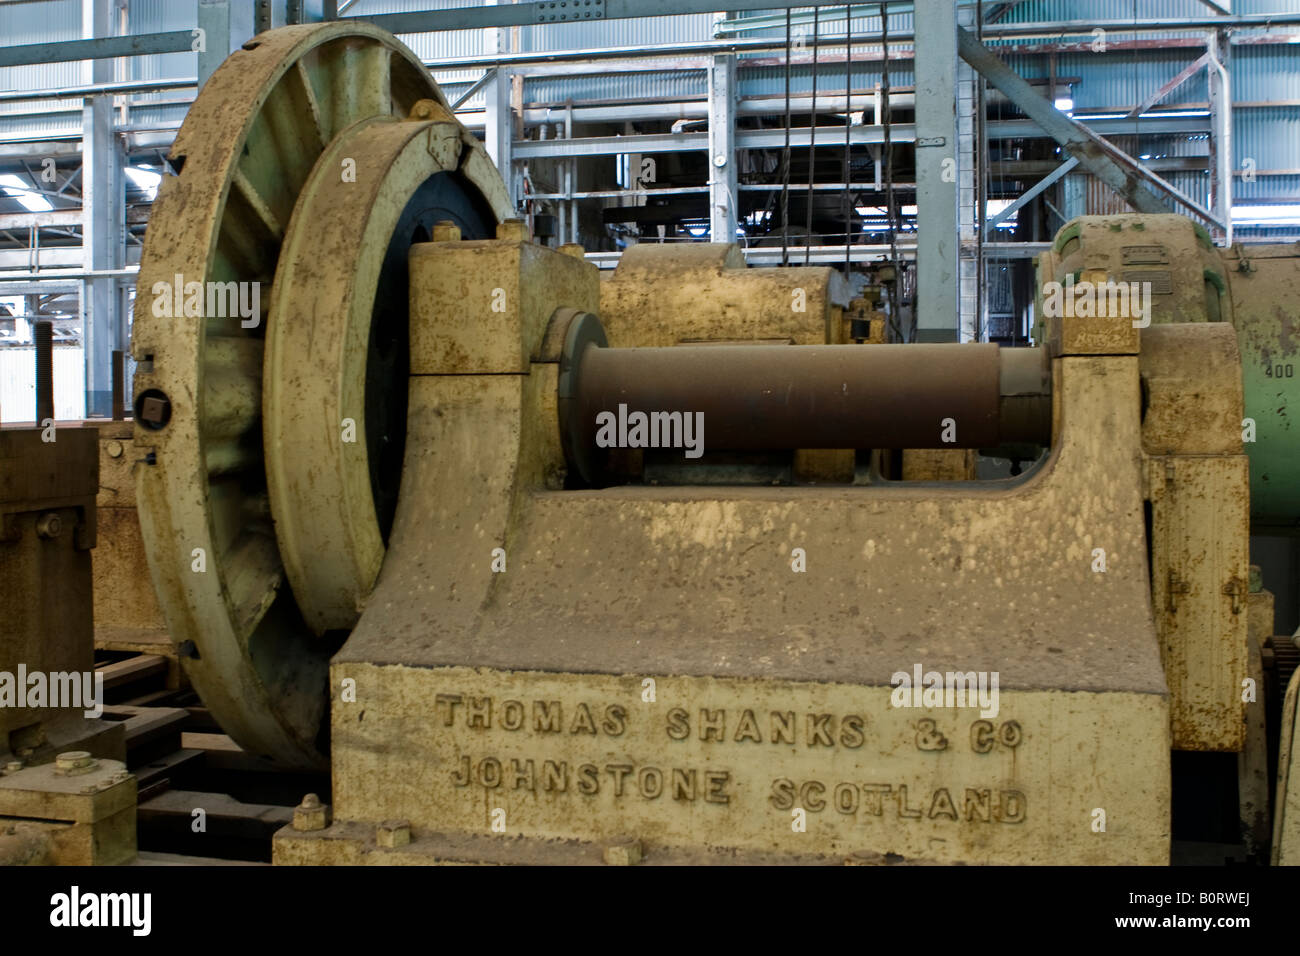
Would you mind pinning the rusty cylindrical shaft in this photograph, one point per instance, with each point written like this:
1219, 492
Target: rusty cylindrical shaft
767, 397
43, 334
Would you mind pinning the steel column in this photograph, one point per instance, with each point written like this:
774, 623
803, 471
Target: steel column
722, 149
498, 129
1221, 153
214, 21
103, 216
936, 172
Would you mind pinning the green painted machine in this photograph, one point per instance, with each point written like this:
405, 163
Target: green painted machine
1256, 288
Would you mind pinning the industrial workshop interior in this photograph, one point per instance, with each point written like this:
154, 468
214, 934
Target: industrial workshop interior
628, 433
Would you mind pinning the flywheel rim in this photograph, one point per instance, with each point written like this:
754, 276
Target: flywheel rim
243, 154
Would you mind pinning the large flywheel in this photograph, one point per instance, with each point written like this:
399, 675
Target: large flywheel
271, 331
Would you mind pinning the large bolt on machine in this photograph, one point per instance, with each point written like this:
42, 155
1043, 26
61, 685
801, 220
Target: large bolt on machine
460, 550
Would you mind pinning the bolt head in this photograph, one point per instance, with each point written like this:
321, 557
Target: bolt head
624, 851
446, 231
114, 449
155, 411
311, 814
49, 525
515, 230
393, 833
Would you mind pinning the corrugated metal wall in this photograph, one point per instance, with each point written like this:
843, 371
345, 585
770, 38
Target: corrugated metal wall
18, 384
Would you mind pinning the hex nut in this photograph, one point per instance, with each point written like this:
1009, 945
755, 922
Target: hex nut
446, 231
49, 525
393, 833
625, 851
311, 814
515, 230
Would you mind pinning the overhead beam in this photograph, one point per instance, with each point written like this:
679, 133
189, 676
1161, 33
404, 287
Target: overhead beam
98, 48
799, 137
64, 218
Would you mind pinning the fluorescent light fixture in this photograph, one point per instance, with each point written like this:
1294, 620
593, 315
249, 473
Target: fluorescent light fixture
1064, 104
30, 200
145, 179
1144, 157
